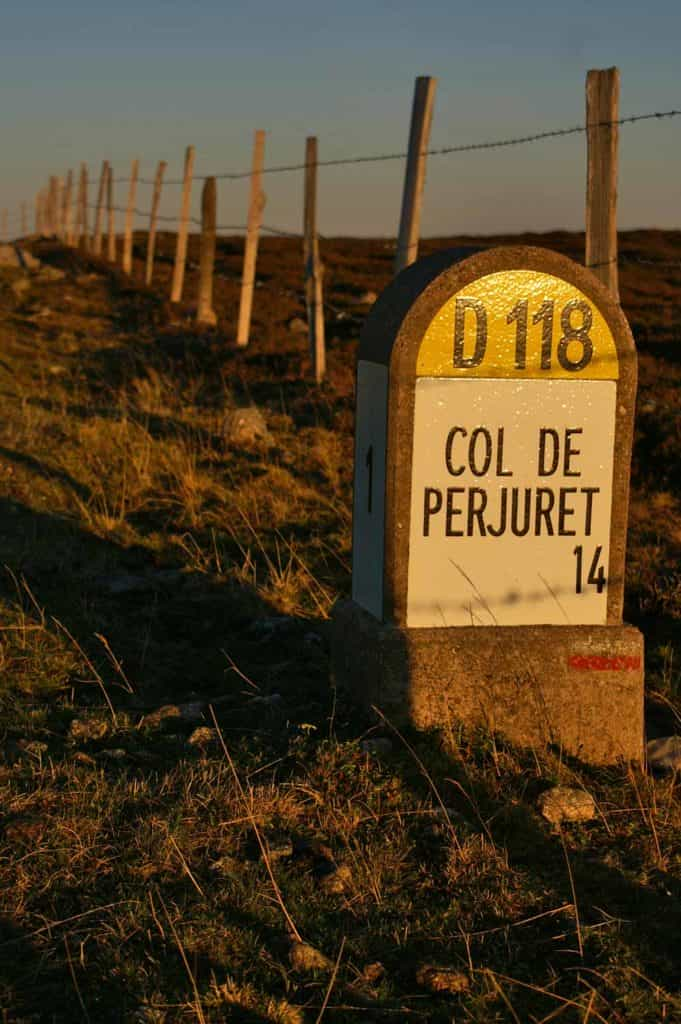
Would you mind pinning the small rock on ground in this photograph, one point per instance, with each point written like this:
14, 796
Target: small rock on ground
566, 803
297, 325
306, 958
442, 979
20, 286
365, 299
88, 729
202, 736
47, 273
191, 713
154, 719
9, 256
664, 753
337, 881
245, 426
373, 973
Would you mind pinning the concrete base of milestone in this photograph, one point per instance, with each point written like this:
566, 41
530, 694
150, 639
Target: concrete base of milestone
576, 687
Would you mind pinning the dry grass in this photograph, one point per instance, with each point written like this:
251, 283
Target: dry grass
144, 877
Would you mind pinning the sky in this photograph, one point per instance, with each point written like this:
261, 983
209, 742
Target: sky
88, 81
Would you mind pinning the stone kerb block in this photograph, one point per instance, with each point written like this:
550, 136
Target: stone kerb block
495, 402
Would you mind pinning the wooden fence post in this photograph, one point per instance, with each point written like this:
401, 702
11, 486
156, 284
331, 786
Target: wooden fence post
38, 213
99, 212
53, 206
111, 219
59, 209
67, 222
151, 236
313, 267
44, 197
415, 173
129, 213
602, 103
205, 314
256, 205
183, 227
81, 234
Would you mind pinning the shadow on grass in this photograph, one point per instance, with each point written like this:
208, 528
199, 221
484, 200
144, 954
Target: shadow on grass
176, 631
48, 978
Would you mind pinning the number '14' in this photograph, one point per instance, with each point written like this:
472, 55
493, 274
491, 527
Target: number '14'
596, 575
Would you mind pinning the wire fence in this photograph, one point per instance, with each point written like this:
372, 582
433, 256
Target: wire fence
468, 147
55, 206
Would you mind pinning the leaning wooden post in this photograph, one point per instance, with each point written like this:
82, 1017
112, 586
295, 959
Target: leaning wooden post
205, 313
151, 235
111, 226
183, 228
99, 212
67, 221
602, 103
415, 173
256, 205
129, 213
313, 267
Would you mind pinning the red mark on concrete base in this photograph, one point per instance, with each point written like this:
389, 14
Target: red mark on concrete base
605, 663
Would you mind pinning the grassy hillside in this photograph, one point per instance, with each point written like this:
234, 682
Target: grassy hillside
185, 803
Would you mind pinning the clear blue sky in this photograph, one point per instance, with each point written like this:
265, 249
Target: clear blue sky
84, 81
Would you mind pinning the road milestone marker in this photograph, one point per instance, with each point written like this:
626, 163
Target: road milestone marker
495, 404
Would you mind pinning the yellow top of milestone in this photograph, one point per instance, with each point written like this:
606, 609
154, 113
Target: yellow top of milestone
519, 324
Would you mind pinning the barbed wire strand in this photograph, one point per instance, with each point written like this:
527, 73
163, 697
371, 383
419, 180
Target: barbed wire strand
467, 147
375, 158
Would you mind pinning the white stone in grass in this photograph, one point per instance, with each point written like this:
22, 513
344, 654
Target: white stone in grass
304, 957
202, 736
245, 426
365, 299
297, 325
664, 753
566, 803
